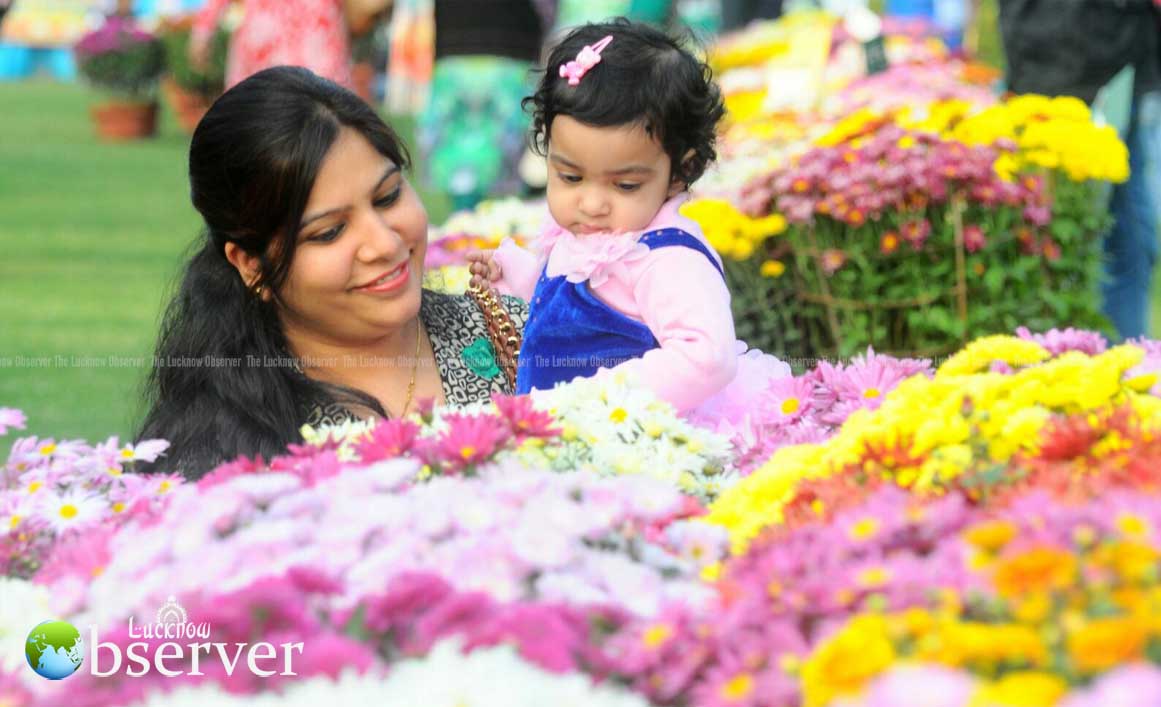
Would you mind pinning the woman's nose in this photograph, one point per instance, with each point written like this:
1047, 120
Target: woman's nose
380, 241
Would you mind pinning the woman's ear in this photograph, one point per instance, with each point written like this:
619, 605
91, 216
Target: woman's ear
248, 267
677, 183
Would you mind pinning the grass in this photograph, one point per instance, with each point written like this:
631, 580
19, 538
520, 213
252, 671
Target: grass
92, 237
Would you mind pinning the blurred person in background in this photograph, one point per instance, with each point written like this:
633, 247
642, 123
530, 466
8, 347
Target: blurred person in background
472, 129
1074, 48
5, 5
739, 13
308, 33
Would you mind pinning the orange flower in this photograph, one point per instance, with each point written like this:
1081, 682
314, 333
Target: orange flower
889, 243
1103, 643
1037, 570
990, 535
832, 260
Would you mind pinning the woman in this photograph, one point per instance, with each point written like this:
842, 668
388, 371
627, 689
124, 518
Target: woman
303, 302
310, 33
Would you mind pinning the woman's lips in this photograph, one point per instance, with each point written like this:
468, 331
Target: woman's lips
389, 281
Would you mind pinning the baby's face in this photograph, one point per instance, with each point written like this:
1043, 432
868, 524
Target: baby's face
605, 179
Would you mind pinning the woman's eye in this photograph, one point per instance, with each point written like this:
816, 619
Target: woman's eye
570, 178
328, 235
628, 187
385, 201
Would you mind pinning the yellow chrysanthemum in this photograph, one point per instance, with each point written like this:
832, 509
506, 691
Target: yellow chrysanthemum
844, 663
732, 233
1104, 643
928, 431
1021, 689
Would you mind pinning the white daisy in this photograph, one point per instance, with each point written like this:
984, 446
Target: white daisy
72, 509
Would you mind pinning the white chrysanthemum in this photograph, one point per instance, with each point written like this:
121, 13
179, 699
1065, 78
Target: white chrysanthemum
73, 509
350, 689
347, 434
494, 677
24, 605
616, 428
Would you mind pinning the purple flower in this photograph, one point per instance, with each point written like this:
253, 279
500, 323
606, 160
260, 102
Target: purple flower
116, 34
1037, 215
1057, 341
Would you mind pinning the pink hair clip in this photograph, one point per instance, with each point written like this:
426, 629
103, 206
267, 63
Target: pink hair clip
586, 59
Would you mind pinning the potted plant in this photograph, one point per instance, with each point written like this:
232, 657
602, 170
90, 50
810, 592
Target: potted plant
190, 90
124, 62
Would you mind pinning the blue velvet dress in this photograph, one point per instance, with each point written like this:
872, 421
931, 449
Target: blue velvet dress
571, 333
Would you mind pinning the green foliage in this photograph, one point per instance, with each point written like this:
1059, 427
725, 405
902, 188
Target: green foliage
211, 81
905, 300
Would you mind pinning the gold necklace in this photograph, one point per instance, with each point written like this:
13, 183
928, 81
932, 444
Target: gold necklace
414, 368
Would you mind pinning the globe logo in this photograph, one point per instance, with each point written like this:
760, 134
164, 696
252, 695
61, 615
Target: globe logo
55, 649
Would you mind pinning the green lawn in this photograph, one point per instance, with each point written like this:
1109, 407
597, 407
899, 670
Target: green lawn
92, 236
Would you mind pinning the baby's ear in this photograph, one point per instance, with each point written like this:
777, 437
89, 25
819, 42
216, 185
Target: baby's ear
677, 182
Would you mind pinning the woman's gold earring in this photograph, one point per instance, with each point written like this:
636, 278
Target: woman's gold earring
258, 290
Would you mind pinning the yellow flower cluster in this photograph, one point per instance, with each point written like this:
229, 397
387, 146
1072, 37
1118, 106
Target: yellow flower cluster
929, 430
1053, 133
732, 233
1053, 623
736, 54
851, 127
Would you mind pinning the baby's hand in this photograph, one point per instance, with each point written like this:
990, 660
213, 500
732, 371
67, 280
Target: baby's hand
484, 269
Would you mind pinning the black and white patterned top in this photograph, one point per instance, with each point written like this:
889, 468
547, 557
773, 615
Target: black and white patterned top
459, 337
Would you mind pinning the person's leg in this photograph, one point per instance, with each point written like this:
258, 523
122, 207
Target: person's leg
1131, 245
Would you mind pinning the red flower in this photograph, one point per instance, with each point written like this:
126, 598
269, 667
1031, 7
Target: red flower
1069, 437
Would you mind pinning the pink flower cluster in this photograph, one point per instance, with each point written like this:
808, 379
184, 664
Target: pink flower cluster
417, 610
808, 408
116, 34
898, 171
466, 440
907, 85
793, 587
507, 555
54, 491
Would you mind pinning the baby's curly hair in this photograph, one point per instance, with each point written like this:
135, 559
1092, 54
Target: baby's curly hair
644, 76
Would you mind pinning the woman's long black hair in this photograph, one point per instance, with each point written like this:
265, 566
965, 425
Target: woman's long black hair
222, 384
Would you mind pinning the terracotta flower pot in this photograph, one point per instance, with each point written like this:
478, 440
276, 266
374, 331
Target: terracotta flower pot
124, 120
189, 106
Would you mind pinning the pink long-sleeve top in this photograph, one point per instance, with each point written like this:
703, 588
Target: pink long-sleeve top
674, 291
